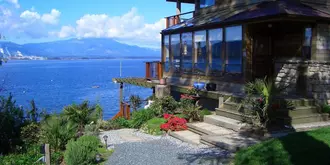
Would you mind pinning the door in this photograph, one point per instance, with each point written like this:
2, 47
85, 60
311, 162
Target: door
262, 56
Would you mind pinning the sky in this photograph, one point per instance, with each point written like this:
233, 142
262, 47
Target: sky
135, 22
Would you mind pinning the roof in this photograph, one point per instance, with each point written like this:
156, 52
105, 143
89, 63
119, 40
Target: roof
182, 1
259, 10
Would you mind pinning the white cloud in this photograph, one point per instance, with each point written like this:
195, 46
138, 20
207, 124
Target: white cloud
48, 18
129, 28
52, 17
14, 2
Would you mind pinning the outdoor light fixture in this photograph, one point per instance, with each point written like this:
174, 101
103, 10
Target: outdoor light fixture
270, 25
105, 137
98, 158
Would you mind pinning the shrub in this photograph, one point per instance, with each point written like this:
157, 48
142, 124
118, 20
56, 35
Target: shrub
115, 124
326, 108
152, 126
204, 112
30, 156
57, 131
192, 112
174, 123
12, 119
135, 101
164, 105
91, 129
141, 116
82, 151
30, 134
81, 114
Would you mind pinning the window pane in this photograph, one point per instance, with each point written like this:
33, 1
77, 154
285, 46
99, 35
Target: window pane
215, 38
234, 49
200, 52
187, 52
175, 51
307, 43
167, 63
206, 3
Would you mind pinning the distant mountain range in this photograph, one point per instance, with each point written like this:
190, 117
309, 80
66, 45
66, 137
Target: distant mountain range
77, 48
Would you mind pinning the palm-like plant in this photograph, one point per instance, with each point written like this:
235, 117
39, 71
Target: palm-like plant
81, 114
57, 131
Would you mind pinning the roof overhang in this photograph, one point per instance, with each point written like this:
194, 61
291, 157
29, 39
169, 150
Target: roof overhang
182, 1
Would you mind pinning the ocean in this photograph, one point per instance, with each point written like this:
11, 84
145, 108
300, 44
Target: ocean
53, 84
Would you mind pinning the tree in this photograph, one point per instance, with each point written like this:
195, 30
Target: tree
135, 101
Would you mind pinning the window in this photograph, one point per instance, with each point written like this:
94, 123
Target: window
234, 49
175, 51
167, 62
307, 43
206, 3
200, 52
186, 52
215, 39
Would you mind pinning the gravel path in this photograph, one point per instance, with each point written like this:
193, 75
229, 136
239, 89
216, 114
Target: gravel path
135, 148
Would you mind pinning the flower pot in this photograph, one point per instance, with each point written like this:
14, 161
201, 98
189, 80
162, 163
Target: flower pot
199, 85
194, 98
211, 87
162, 81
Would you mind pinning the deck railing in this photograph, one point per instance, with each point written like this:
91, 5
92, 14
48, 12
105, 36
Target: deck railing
124, 111
176, 19
154, 70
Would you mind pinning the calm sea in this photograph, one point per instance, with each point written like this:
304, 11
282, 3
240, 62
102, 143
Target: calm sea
55, 84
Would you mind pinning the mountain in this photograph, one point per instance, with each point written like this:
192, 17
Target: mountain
77, 48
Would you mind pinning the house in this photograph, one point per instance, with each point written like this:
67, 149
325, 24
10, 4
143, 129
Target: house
232, 42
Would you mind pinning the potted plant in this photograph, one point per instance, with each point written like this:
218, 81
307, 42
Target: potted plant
192, 94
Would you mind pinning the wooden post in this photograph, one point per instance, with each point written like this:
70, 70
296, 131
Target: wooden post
178, 7
121, 97
147, 70
128, 111
47, 154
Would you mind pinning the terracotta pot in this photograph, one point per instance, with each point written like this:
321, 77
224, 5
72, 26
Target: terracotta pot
162, 81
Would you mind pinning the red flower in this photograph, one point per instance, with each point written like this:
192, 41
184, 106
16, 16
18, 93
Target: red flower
167, 116
174, 123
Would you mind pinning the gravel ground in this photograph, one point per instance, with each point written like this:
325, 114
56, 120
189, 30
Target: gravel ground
160, 150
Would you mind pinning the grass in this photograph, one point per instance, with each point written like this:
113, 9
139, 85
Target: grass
105, 154
306, 148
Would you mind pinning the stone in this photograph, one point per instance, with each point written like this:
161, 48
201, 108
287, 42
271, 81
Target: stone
162, 91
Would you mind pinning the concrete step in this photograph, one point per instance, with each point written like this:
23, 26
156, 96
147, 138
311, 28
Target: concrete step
187, 136
301, 102
232, 142
298, 111
230, 106
203, 128
231, 114
224, 122
304, 119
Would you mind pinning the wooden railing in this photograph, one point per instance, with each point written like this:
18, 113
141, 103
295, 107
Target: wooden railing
154, 70
124, 111
176, 19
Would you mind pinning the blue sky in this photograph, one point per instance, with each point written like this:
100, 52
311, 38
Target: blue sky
135, 22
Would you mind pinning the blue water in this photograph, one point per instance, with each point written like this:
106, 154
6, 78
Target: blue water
55, 84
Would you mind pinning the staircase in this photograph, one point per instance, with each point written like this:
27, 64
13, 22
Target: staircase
224, 129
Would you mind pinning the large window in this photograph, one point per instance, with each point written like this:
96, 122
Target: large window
175, 51
234, 49
215, 39
307, 43
200, 52
206, 3
167, 61
186, 52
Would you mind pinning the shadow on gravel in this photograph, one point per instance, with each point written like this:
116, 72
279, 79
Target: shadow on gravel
206, 157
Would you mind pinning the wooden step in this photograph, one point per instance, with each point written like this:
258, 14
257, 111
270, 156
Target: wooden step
230, 106
187, 136
203, 128
224, 122
232, 142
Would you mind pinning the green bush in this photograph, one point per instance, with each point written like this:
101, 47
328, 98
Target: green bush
82, 151
91, 129
192, 112
115, 124
326, 108
152, 126
204, 112
30, 134
182, 116
164, 105
57, 131
141, 116
30, 156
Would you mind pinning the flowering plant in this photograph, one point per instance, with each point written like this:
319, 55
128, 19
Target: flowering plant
174, 123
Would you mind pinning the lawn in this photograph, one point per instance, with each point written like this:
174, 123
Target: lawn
303, 148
